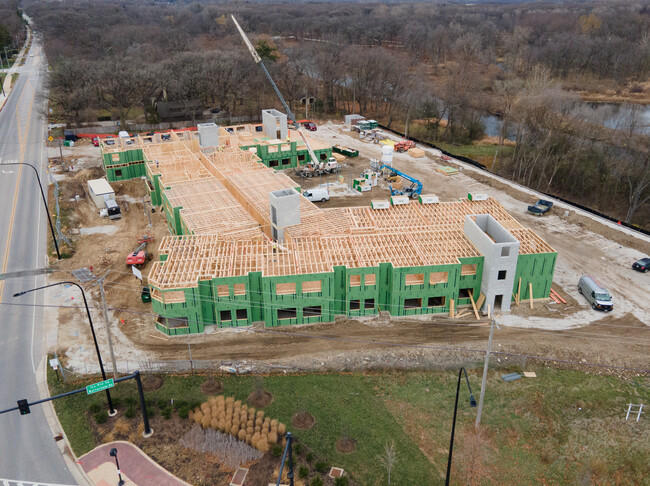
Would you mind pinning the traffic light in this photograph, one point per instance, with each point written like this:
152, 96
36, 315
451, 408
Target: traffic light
23, 406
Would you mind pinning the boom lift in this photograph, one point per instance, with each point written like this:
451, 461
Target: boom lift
413, 192
258, 60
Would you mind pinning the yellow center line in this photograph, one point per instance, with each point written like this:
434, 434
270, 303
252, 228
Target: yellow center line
23, 146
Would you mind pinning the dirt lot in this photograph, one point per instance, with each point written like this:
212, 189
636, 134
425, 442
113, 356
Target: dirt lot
570, 332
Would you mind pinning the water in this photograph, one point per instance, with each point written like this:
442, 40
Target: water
610, 115
618, 116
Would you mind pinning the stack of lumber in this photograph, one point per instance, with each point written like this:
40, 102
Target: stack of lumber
416, 152
446, 170
339, 157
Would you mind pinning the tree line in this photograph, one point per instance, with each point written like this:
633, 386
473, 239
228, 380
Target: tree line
12, 28
435, 68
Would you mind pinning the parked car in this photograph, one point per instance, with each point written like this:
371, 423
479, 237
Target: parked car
642, 265
595, 293
95, 141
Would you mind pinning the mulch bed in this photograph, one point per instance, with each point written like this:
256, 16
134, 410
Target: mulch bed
152, 382
303, 421
346, 446
211, 387
260, 398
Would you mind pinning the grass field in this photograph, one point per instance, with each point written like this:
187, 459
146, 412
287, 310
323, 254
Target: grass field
563, 427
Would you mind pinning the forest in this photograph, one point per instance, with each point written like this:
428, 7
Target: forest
433, 70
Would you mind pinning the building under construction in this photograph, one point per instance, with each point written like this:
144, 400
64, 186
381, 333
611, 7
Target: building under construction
274, 144
247, 247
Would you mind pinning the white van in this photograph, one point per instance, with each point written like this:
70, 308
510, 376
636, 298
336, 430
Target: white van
595, 293
320, 194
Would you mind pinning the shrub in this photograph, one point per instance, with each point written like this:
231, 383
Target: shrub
131, 401
303, 472
130, 412
309, 456
317, 481
342, 481
101, 417
277, 450
167, 413
94, 408
321, 467
297, 448
161, 403
183, 410
151, 412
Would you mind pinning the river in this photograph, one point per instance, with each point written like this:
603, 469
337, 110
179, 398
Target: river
610, 115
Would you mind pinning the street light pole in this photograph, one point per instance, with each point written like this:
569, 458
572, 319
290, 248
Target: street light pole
472, 403
113, 453
485, 370
47, 211
112, 410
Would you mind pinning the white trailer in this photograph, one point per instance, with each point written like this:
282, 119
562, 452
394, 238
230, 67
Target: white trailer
100, 190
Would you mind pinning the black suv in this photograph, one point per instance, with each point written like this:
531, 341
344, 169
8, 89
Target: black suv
642, 265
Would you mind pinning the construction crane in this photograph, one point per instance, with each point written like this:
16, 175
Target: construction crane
413, 192
258, 60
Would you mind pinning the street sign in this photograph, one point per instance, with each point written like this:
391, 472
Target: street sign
50, 138
102, 385
54, 363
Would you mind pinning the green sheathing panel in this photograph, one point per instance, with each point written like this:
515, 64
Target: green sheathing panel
206, 302
470, 281
274, 156
537, 269
231, 301
121, 166
414, 299
362, 299
273, 303
339, 304
385, 283
190, 310
256, 298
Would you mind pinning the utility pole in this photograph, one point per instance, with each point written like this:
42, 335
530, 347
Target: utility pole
61, 154
485, 370
108, 327
147, 213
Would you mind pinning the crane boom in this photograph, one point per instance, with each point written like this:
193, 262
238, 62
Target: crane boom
258, 60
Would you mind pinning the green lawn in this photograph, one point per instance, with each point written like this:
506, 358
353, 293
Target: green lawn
535, 430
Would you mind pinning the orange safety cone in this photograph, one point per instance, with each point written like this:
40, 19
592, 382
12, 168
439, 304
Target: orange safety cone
619, 222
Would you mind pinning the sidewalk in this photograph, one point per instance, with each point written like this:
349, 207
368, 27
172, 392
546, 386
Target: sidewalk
136, 467
13, 69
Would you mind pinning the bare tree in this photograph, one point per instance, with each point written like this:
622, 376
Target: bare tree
388, 458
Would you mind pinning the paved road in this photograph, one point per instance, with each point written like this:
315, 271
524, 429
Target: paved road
28, 452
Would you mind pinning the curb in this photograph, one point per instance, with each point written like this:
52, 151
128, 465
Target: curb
69, 457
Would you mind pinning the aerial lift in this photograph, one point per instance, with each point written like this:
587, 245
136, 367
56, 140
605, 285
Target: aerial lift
290, 114
413, 192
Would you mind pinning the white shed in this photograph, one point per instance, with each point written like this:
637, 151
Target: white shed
100, 190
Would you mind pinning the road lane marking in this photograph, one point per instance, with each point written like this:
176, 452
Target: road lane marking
17, 190
38, 240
